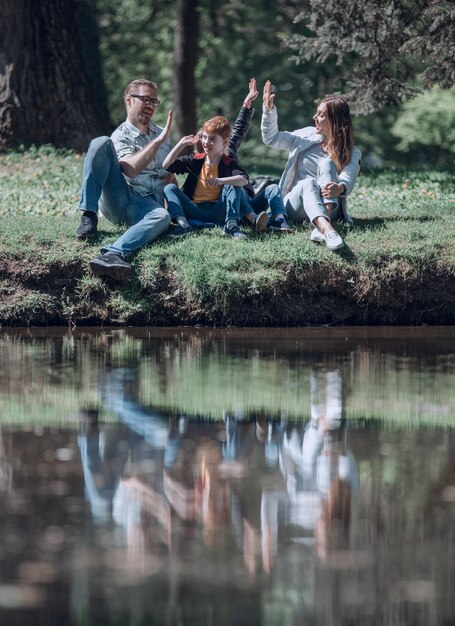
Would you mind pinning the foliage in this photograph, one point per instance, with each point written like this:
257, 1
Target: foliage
375, 46
141, 35
436, 44
227, 60
427, 124
391, 41
135, 42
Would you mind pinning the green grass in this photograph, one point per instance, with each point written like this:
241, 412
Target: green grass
40, 181
398, 265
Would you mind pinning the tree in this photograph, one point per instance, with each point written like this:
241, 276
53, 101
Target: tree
375, 45
437, 44
186, 38
45, 96
136, 41
426, 125
237, 40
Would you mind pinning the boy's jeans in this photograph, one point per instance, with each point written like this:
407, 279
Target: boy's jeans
305, 200
268, 197
226, 208
105, 187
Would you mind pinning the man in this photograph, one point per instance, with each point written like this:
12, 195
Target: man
123, 176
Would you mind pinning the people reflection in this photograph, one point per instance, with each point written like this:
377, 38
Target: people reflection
102, 462
6, 469
198, 484
158, 475
166, 467
321, 472
254, 445
112, 452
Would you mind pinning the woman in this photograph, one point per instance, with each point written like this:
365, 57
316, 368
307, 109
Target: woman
322, 166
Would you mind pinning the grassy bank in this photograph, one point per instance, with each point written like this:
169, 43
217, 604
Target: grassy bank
398, 265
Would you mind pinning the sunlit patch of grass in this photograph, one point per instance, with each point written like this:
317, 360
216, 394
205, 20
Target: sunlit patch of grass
40, 181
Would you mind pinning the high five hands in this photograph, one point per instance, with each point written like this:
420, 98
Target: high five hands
268, 97
188, 140
164, 134
252, 93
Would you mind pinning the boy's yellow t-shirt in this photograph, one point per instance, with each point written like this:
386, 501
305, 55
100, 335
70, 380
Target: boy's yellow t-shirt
205, 192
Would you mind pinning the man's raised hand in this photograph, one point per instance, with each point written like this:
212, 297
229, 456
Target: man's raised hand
164, 134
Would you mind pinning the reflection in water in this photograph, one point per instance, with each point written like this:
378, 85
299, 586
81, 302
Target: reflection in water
304, 476
321, 472
146, 513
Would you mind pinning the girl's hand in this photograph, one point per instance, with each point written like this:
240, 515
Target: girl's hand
252, 94
268, 97
214, 181
332, 190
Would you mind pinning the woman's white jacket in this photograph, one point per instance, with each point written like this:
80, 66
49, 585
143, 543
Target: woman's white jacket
295, 142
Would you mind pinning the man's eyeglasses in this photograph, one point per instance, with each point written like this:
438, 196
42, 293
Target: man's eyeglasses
146, 99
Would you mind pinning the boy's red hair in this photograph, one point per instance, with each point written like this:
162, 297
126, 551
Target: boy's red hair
218, 125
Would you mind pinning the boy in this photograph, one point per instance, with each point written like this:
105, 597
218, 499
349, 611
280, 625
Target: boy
211, 191
254, 206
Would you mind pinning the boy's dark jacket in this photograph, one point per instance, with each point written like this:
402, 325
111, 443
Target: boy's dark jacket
192, 164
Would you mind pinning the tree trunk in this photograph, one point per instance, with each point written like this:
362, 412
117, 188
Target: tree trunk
45, 95
185, 57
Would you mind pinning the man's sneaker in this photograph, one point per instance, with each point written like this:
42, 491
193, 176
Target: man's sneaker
280, 225
88, 226
180, 231
333, 240
111, 264
261, 222
235, 232
317, 236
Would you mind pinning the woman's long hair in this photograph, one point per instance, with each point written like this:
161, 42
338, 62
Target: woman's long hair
341, 142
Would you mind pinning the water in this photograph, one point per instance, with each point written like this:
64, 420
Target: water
191, 476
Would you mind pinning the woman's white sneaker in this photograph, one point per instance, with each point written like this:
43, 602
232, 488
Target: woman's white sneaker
317, 236
333, 240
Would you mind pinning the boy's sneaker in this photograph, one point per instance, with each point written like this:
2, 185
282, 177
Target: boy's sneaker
261, 222
280, 225
333, 240
111, 264
88, 226
235, 232
317, 236
180, 231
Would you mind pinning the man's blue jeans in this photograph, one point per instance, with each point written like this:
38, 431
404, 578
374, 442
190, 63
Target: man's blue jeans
104, 187
270, 197
226, 208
